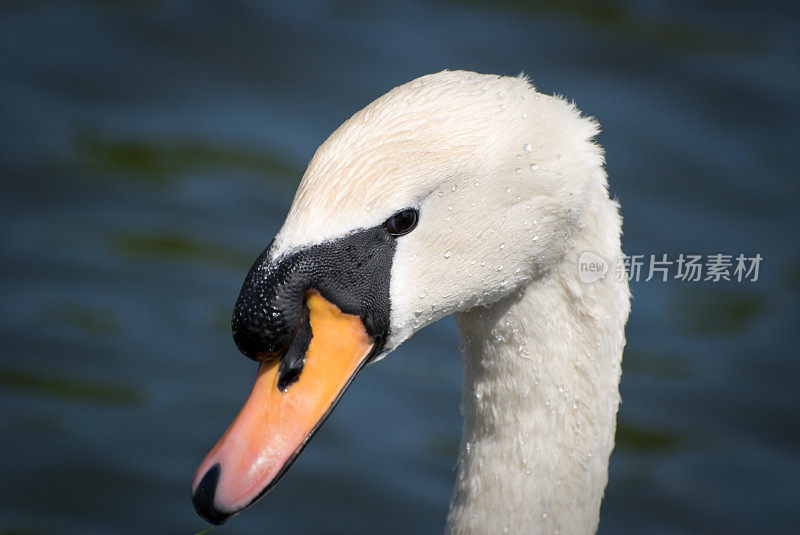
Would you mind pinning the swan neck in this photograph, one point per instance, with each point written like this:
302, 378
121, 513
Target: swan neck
540, 397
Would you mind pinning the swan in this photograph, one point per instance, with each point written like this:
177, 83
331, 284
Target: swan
456, 193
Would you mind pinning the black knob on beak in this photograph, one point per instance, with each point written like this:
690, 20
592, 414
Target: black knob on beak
269, 309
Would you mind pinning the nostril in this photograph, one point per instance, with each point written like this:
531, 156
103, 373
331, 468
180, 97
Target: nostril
203, 498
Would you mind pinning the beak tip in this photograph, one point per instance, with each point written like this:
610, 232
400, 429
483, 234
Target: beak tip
203, 498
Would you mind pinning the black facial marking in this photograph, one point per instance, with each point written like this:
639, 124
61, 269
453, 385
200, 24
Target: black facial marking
295, 357
270, 319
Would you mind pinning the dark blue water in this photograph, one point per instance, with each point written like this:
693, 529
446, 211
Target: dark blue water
149, 151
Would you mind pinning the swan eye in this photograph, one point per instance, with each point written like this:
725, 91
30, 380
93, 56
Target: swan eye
402, 222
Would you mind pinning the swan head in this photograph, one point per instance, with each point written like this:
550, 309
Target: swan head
447, 193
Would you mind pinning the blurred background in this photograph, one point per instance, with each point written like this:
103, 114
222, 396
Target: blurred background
150, 150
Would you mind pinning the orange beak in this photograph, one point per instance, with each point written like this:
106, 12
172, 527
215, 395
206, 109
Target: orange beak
274, 426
